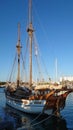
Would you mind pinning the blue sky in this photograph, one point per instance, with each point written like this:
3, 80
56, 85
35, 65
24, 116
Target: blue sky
53, 23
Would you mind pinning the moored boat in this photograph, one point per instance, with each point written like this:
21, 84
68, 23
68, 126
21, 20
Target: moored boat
24, 98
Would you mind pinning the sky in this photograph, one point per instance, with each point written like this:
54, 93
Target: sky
53, 25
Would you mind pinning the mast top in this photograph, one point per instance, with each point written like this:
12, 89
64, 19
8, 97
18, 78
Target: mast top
18, 33
30, 12
18, 46
30, 27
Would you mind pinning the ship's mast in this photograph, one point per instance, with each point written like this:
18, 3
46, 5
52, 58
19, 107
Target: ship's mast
30, 33
56, 67
18, 52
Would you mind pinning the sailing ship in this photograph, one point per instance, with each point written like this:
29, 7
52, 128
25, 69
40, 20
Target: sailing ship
42, 100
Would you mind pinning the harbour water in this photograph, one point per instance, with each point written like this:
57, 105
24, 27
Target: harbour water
34, 122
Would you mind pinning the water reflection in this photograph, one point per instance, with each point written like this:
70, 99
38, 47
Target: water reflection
20, 119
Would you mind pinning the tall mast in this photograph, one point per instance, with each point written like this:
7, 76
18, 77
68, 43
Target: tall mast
18, 52
30, 33
56, 70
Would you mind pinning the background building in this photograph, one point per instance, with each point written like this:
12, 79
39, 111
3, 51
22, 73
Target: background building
66, 78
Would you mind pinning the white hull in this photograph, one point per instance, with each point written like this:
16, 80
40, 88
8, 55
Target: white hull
32, 106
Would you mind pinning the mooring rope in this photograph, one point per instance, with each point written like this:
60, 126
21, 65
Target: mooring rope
36, 118
44, 119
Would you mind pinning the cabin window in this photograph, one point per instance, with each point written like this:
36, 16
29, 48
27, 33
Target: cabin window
37, 102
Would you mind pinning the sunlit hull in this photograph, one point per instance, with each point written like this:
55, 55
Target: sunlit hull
49, 102
29, 106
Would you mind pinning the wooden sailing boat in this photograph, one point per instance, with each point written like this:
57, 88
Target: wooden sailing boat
43, 100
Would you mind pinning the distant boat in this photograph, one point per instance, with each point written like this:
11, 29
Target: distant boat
2, 86
37, 100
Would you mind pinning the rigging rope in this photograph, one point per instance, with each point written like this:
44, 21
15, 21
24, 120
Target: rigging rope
12, 68
27, 43
37, 58
24, 69
43, 30
25, 55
